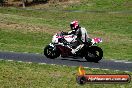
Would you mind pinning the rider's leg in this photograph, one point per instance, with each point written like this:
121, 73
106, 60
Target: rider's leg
77, 48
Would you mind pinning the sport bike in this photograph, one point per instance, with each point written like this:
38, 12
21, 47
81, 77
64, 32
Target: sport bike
62, 45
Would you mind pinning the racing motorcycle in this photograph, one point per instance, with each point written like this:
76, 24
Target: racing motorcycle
62, 45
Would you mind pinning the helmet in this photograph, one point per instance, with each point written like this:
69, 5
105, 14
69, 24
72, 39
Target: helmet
74, 25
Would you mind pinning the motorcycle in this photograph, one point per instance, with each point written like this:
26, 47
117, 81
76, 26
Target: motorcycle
62, 45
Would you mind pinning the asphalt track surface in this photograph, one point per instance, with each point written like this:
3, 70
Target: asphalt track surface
39, 58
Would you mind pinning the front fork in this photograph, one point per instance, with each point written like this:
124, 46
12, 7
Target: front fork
53, 46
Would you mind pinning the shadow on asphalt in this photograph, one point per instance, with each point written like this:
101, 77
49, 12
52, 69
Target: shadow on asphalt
77, 60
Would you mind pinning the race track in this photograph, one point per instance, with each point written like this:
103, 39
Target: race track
38, 58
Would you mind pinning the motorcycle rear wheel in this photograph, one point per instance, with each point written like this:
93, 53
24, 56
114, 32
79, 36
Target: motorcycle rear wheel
94, 54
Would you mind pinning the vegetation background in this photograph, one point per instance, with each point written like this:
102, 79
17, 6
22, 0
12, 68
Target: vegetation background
30, 29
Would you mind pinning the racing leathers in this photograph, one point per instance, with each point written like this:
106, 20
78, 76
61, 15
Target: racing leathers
82, 37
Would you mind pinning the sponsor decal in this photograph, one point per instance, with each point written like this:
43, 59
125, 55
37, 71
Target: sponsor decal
83, 78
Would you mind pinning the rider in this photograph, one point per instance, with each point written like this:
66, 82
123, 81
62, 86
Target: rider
81, 34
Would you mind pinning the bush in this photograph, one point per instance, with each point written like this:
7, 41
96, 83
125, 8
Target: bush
2, 2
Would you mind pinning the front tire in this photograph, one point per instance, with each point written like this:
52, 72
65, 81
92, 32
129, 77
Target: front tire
94, 54
50, 52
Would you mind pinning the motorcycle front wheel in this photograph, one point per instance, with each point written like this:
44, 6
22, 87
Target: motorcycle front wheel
50, 52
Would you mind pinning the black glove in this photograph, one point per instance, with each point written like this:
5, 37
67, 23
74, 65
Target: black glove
64, 33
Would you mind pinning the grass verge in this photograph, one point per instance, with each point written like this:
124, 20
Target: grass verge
87, 5
102, 5
25, 75
30, 30
11, 40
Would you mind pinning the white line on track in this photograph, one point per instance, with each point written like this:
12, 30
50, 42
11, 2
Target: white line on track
25, 52
106, 69
63, 65
95, 68
120, 61
127, 62
9, 60
53, 64
126, 71
42, 63
20, 61
37, 53
116, 70
86, 67
29, 62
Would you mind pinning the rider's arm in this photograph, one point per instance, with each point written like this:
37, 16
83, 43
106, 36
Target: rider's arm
69, 33
72, 32
65, 33
79, 35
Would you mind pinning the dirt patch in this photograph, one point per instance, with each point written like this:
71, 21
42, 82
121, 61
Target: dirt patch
24, 28
39, 3
55, 4
27, 28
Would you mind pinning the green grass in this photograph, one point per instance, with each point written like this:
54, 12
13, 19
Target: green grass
88, 5
30, 30
22, 42
115, 29
102, 5
24, 75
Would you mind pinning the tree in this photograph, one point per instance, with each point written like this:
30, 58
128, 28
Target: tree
2, 2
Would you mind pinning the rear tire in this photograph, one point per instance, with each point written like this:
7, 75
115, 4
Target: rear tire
94, 54
50, 53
